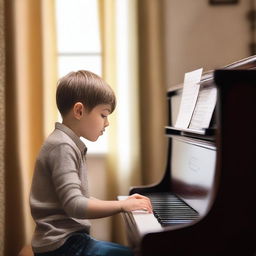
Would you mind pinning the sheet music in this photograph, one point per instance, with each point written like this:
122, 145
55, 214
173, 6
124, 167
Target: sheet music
204, 108
189, 97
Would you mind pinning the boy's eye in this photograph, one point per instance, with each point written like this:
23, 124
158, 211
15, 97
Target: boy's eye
104, 116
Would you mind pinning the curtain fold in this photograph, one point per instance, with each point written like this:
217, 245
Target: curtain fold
2, 126
152, 81
50, 68
107, 23
27, 59
108, 48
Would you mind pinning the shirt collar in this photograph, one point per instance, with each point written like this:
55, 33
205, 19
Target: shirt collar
73, 136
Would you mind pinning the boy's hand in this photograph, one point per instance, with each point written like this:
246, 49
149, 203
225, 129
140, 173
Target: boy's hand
136, 202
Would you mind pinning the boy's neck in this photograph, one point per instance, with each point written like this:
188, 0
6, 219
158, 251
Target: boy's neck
71, 124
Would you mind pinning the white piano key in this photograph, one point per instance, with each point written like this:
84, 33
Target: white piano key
146, 223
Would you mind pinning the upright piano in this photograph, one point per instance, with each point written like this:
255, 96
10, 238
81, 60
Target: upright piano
205, 203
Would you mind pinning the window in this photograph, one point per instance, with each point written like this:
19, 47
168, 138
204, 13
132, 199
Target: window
78, 45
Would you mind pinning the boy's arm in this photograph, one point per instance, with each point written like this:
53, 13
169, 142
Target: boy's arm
66, 180
68, 188
99, 208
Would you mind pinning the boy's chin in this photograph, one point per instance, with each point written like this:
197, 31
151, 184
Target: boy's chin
93, 139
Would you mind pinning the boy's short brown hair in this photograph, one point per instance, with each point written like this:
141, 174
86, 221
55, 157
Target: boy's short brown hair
85, 87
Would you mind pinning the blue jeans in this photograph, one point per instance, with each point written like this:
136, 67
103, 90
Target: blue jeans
81, 244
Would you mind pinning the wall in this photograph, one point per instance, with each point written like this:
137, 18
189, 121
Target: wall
202, 35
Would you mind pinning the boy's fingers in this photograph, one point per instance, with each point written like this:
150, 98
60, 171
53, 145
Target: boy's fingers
146, 200
140, 196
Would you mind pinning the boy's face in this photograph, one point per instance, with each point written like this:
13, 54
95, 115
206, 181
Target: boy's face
93, 123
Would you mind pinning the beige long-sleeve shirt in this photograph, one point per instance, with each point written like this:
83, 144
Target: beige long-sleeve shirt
59, 191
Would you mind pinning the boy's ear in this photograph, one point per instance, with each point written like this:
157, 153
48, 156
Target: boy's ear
78, 110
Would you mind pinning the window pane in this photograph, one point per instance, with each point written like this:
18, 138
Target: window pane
74, 63
77, 26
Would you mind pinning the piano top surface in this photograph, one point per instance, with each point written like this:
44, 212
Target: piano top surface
207, 76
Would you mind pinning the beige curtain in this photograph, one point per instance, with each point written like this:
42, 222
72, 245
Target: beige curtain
146, 159
30, 83
2, 127
108, 45
153, 103
123, 160
108, 42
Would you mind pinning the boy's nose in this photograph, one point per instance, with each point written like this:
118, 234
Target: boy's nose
106, 123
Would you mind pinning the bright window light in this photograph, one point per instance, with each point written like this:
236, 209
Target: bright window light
124, 82
74, 63
78, 45
78, 26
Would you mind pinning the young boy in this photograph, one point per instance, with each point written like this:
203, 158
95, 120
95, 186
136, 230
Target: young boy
59, 199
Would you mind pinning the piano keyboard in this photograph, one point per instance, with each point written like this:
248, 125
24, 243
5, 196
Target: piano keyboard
169, 209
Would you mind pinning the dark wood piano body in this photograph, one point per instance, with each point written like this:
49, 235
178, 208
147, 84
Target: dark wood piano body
227, 222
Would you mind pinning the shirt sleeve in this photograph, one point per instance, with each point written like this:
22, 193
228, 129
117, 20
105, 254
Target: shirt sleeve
63, 161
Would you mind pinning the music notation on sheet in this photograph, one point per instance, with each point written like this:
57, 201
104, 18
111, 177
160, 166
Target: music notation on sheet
204, 108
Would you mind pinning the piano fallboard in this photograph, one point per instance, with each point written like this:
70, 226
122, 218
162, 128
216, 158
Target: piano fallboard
186, 197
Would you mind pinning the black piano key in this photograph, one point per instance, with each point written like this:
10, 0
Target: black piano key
181, 215
170, 210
